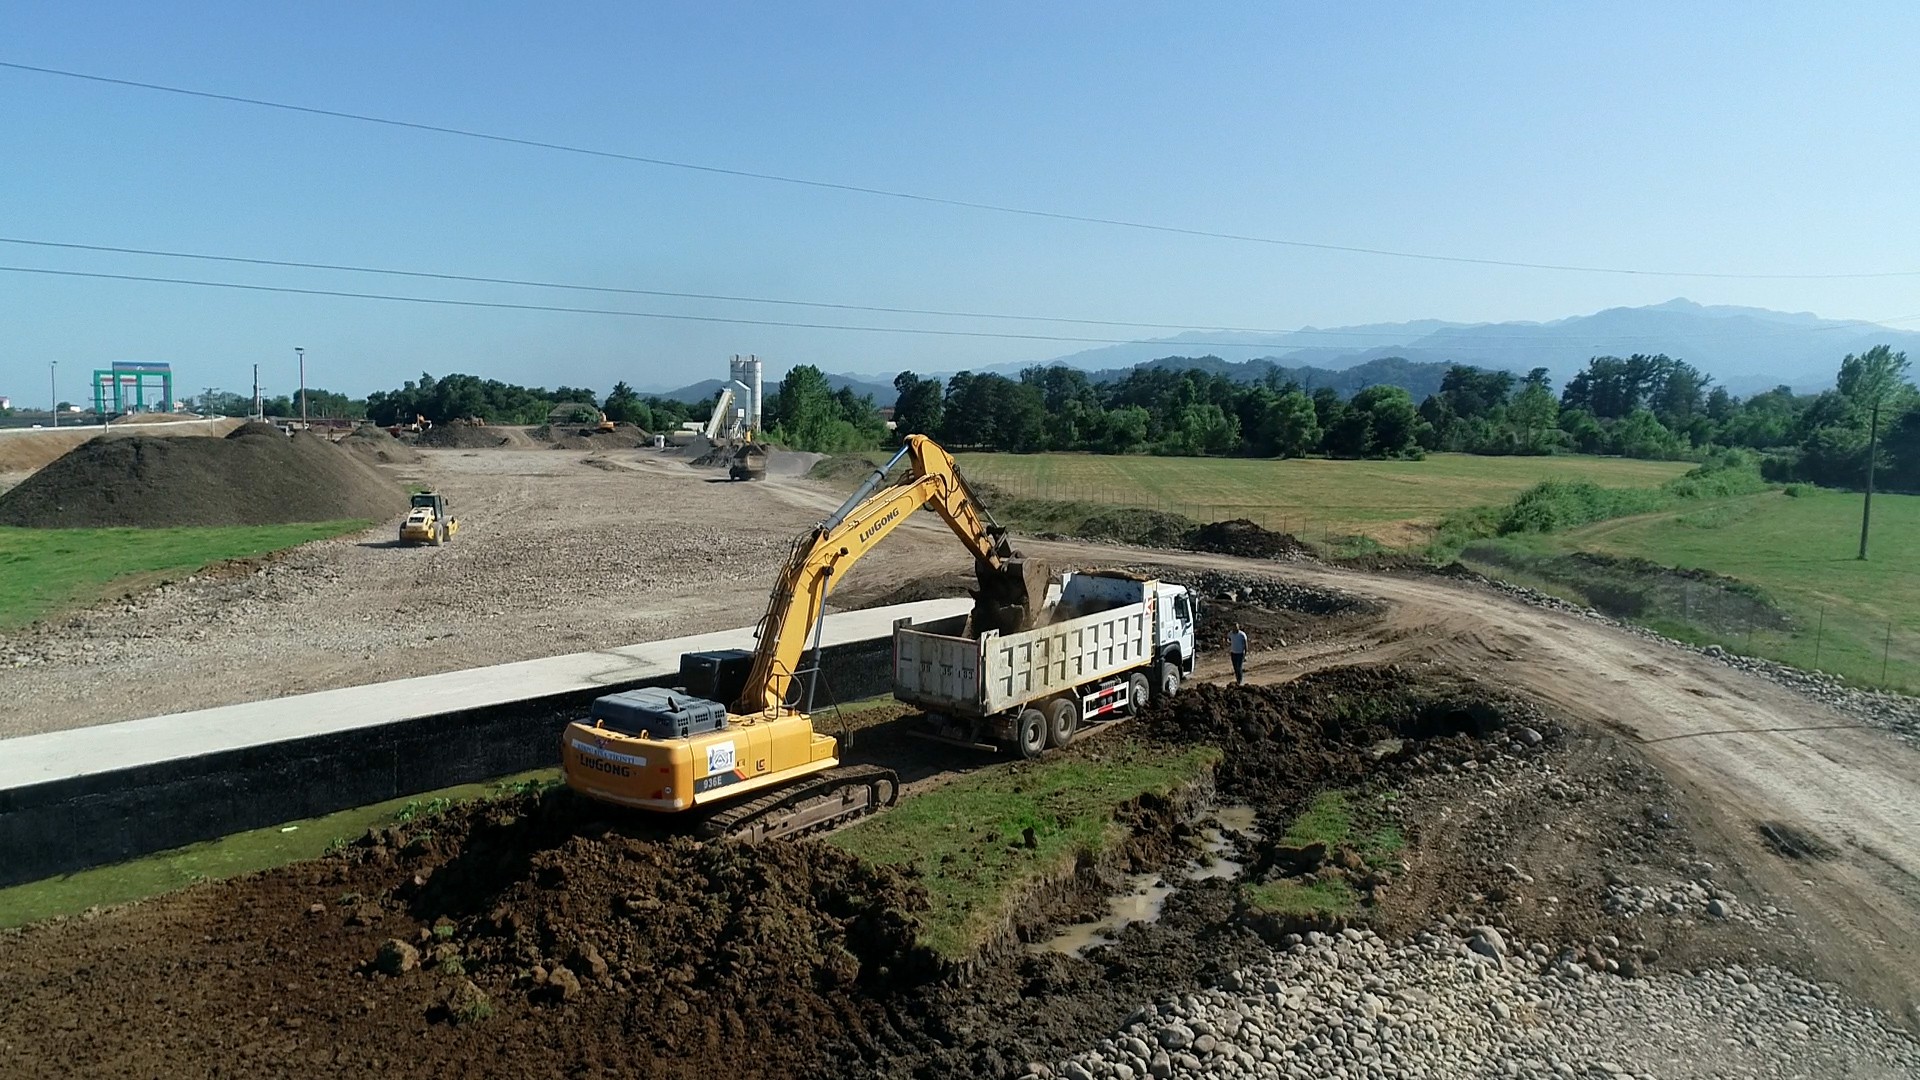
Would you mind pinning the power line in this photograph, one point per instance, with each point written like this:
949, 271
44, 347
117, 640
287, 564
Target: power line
541, 144
1457, 334
502, 305
251, 261
674, 316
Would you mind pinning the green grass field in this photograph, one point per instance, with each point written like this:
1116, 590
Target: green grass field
1390, 501
967, 838
44, 570
1801, 552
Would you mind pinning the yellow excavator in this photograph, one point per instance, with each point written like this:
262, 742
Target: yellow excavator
757, 768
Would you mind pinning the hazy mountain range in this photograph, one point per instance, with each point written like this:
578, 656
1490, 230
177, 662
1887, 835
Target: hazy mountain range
1746, 349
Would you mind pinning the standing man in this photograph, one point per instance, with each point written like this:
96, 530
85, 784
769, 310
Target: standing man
1237, 648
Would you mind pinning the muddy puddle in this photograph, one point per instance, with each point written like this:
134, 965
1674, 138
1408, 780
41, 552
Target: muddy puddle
1144, 896
1143, 901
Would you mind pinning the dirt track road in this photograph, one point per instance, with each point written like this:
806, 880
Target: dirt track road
1748, 751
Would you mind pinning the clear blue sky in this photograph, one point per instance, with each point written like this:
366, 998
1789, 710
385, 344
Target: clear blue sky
1741, 137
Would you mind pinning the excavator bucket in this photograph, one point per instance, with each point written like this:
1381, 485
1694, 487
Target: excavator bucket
1010, 598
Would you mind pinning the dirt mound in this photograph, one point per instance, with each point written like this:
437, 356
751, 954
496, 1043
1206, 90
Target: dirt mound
1140, 528
720, 938
254, 476
462, 437
1326, 728
1247, 540
573, 437
375, 444
847, 470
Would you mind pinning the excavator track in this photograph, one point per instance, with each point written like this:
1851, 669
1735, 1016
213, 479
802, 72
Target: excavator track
813, 804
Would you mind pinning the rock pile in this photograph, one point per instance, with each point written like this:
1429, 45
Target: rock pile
1453, 1003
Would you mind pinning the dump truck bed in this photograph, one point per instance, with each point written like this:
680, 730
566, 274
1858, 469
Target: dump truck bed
962, 676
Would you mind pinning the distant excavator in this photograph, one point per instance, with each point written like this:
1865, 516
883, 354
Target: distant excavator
758, 766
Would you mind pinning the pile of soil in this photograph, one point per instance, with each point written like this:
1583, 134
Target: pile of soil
254, 476
1157, 528
462, 437
569, 437
1247, 540
848, 470
1328, 728
719, 938
1139, 528
375, 444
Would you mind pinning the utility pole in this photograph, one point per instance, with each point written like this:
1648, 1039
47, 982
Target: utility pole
53, 391
302, 353
257, 414
1873, 447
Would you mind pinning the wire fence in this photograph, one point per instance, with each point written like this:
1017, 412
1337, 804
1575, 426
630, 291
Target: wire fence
1869, 651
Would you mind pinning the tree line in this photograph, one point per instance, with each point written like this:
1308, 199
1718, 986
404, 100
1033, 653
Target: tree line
1642, 406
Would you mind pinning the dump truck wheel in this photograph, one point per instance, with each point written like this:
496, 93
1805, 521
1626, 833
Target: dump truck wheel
1168, 681
1139, 693
1030, 733
1063, 719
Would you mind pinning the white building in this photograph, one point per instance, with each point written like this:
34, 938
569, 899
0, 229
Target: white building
6, 402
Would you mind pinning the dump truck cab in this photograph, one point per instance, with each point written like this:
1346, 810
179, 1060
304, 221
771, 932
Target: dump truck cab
427, 521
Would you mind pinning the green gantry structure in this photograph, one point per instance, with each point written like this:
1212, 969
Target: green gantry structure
126, 384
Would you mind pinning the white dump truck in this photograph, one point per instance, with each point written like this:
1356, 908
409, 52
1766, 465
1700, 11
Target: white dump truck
1111, 643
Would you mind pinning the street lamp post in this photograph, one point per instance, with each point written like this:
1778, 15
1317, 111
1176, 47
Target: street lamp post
53, 391
302, 353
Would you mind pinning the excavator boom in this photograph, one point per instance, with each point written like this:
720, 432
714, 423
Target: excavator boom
867, 517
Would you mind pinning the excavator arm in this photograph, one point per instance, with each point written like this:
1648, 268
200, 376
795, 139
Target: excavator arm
866, 518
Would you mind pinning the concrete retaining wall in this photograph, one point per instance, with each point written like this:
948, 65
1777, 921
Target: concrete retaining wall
74, 823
